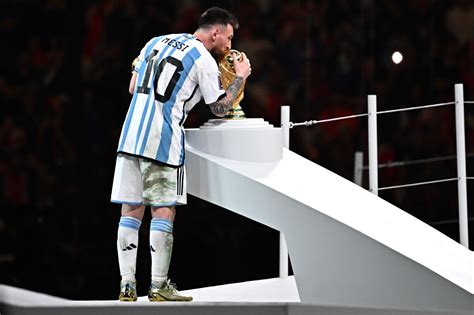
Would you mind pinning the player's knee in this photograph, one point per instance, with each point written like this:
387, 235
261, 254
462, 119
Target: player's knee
135, 211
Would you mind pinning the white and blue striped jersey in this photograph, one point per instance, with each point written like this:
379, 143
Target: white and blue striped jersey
174, 72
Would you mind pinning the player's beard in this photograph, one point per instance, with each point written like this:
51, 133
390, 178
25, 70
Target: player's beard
218, 54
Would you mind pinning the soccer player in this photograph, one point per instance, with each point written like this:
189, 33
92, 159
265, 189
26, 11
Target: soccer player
172, 74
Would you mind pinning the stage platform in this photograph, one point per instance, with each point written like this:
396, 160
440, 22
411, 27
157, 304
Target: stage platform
270, 296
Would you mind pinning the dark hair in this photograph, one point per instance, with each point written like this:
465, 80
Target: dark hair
216, 15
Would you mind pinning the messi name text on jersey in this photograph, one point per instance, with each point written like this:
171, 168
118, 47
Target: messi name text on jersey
175, 44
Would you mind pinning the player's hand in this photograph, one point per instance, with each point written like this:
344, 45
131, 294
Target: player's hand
135, 62
242, 68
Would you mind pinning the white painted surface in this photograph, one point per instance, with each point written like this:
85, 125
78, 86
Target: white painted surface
251, 140
267, 290
348, 203
341, 238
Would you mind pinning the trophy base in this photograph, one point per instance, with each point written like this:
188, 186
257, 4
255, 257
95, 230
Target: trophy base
235, 113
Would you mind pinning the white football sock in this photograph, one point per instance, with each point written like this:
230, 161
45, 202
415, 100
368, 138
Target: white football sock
127, 245
161, 247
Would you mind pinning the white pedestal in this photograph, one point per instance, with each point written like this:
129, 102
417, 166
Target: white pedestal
246, 140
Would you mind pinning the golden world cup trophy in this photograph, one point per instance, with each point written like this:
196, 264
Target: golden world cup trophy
227, 75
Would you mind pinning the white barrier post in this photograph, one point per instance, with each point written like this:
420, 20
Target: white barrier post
373, 159
461, 165
358, 167
285, 127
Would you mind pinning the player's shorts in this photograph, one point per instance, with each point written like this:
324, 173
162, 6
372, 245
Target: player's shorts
138, 181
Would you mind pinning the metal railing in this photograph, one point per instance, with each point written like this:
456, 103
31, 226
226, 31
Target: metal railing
373, 166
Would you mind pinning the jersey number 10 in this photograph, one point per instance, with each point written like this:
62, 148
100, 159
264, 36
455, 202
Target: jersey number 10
152, 64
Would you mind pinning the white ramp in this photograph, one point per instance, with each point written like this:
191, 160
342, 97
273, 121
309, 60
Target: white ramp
347, 246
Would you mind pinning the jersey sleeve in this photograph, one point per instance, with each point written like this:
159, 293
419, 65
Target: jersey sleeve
209, 82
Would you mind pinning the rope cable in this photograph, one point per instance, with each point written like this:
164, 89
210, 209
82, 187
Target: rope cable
419, 184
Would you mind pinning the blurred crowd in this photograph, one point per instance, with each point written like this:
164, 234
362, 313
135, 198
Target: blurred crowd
64, 94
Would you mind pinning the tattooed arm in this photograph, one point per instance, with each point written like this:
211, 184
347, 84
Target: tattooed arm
242, 71
220, 107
